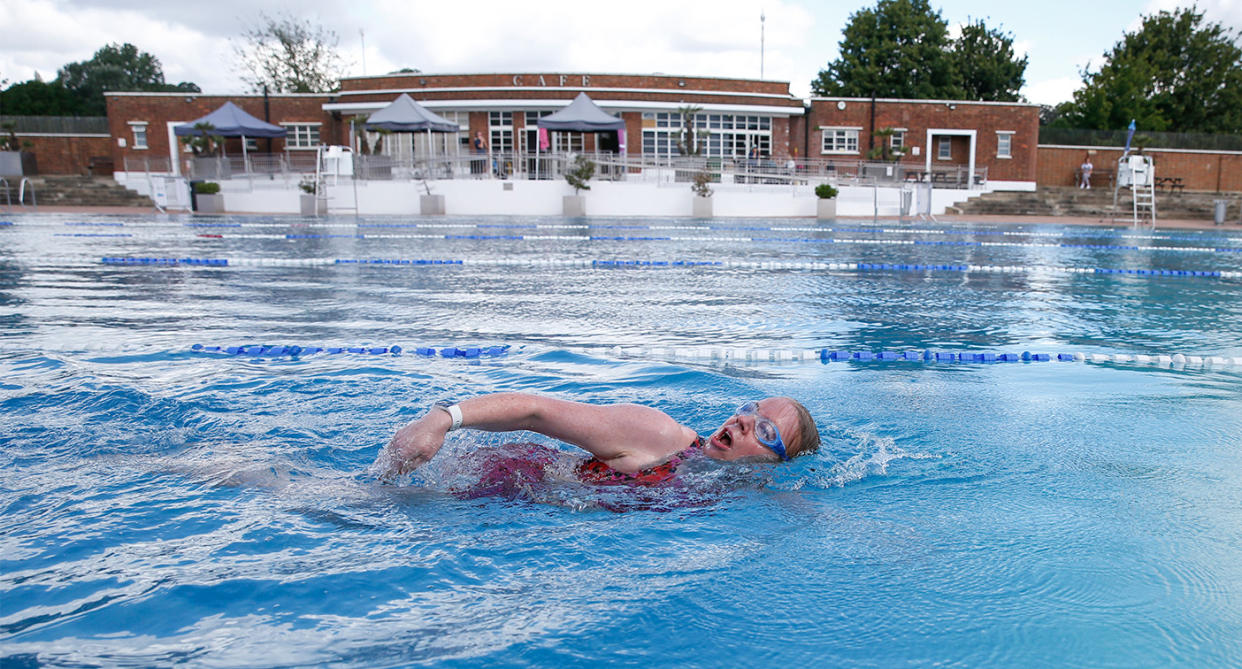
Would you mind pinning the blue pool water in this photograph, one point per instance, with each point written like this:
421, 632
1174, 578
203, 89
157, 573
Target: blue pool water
162, 505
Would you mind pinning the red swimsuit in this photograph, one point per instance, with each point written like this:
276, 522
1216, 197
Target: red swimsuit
598, 471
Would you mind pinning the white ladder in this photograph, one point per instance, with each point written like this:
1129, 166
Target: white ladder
1144, 203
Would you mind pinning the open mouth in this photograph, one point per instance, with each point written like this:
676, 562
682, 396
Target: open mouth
724, 438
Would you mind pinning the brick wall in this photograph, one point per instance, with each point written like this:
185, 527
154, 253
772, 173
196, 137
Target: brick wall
1206, 171
66, 154
160, 109
987, 119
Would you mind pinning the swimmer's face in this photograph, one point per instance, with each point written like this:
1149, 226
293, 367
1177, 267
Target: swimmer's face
736, 438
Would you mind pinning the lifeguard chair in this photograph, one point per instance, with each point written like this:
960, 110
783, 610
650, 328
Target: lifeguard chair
1137, 173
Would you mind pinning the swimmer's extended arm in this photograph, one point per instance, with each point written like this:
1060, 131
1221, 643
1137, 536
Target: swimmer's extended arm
628, 437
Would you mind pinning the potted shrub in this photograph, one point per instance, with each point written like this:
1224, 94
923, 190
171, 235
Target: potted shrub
578, 175
702, 194
207, 198
313, 200
826, 205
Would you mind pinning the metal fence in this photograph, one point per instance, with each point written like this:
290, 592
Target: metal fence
725, 172
62, 125
1149, 140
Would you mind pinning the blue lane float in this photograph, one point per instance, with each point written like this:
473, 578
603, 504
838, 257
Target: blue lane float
217, 262
295, 351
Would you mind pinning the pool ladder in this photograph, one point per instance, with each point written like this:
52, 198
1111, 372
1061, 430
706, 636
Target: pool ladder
21, 193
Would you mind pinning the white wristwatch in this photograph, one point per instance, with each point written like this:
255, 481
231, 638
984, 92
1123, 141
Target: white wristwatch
453, 411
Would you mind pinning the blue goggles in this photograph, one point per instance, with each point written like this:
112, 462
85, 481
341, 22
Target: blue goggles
765, 430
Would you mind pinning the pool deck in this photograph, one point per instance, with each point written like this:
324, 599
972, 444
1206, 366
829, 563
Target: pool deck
1184, 224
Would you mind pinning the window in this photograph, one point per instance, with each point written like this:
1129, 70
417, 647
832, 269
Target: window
301, 135
839, 140
944, 148
898, 141
1004, 144
139, 129
558, 142
717, 135
500, 130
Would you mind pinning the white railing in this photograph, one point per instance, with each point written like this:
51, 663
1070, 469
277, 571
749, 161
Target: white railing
24, 184
726, 172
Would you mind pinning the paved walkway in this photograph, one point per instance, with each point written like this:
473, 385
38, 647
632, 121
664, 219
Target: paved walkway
947, 218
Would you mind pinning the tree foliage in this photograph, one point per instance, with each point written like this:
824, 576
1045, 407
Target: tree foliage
115, 67
985, 64
289, 55
902, 49
1175, 73
39, 98
898, 49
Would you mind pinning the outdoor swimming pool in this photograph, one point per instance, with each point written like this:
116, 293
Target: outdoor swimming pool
165, 505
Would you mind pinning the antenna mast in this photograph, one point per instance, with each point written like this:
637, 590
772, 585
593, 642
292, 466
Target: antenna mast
762, 18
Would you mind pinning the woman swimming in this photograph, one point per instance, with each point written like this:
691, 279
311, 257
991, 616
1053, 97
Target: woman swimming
628, 442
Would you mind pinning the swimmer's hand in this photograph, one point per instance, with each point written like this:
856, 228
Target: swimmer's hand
413, 445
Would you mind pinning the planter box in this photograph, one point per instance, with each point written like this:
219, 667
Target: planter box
431, 205
574, 205
702, 207
209, 204
17, 164
309, 206
826, 209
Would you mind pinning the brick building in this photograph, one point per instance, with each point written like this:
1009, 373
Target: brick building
999, 136
733, 118
141, 125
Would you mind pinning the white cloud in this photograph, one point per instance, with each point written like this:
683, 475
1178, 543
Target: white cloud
1051, 91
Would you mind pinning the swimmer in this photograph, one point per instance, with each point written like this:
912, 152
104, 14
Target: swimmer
628, 442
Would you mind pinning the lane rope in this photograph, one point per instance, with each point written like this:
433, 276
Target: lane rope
674, 238
708, 354
748, 355
544, 263
978, 229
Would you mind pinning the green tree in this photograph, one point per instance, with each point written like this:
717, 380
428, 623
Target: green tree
289, 55
115, 67
985, 64
1175, 73
39, 98
899, 49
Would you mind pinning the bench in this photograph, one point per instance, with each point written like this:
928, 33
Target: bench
1173, 184
1098, 176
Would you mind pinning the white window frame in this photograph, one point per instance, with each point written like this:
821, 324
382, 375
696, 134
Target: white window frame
500, 131
897, 142
944, 148
1004, 140
139, 131
718, 135
296, 129
847, 134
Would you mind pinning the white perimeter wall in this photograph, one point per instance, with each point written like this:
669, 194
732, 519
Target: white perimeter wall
544, 198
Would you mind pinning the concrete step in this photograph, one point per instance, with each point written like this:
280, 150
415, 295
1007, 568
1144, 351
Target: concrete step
1096, 202
84, 191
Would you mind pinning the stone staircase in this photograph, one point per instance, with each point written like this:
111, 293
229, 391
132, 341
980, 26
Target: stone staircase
78, 191
1093, 203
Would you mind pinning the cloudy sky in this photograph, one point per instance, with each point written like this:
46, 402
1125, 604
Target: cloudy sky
194, 41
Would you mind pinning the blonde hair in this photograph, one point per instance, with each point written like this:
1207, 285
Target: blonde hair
808, 432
